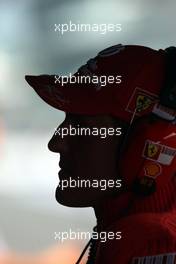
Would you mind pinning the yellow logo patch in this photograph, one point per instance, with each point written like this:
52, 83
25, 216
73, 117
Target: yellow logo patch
142, 103
152, 150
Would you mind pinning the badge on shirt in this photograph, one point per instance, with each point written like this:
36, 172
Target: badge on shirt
158, 152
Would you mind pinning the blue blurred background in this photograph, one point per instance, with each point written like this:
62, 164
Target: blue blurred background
29, 214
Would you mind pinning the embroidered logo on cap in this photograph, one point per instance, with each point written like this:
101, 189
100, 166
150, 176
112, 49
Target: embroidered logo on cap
141, 101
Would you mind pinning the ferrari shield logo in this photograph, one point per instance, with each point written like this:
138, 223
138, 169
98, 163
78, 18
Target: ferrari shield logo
142, 103
152, 150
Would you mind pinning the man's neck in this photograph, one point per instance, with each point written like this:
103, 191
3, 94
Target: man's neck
111, 209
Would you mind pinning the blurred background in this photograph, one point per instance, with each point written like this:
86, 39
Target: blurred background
29, 214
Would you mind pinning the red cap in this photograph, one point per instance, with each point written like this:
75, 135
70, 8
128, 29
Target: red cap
142, 72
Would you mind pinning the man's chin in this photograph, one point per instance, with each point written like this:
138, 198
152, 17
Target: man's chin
70, 198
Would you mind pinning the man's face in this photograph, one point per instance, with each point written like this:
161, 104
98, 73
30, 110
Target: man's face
85, 158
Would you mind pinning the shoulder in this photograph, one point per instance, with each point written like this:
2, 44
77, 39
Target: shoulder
136, 232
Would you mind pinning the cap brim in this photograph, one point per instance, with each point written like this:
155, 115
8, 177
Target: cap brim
72, 97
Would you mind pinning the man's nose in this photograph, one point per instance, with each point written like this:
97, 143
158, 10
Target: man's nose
59, 142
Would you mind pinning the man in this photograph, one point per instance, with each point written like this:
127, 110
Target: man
135, 157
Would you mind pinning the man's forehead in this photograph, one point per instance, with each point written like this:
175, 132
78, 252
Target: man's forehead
102, 119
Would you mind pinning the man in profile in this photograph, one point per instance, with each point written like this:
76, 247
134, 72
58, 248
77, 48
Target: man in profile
136, 210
